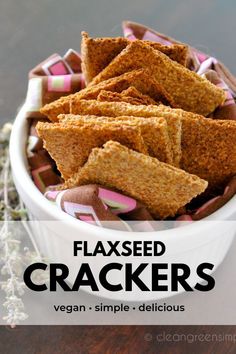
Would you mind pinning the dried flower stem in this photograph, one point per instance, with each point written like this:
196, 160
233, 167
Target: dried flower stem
12, 208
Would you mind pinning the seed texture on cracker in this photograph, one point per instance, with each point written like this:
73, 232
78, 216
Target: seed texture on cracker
133, 92
154, 131
116, 109
164, 189
70, 145
186, 89
97, 53
131, 95
140, 79
209, 149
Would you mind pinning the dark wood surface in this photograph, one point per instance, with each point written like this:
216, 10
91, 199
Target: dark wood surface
112, 340
31, 30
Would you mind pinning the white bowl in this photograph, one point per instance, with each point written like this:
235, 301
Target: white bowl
207, 240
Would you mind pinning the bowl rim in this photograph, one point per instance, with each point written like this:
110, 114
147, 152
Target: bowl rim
19, 164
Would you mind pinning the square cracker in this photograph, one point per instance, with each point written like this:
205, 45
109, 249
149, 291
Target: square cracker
116, 109
140, 79
209, 150
186, 89
70, 145
154, 131
131, 95
164, 189
97, 53
133, 92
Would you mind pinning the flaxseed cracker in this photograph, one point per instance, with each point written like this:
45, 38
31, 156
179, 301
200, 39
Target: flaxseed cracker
133, 92
154, 131
140, 79
97, 53
116, 109
164, 189
209, 149
70, 145
131, 95
109, 96
186, 89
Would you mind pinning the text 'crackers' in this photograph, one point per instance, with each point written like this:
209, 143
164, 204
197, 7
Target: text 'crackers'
163, 188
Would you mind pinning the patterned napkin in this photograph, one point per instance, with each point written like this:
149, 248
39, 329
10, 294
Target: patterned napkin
55, 77
43, 168
58, 76
100, 206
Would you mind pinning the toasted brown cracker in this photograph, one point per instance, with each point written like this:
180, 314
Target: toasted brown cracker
131, 95
109, 96
97, 53
116, 109
186, 89
133, 92
154, 131
70, 145
161, 187
140, 79
209, 149
53, 109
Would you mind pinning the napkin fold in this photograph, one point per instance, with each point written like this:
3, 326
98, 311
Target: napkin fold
55, 77
101, 206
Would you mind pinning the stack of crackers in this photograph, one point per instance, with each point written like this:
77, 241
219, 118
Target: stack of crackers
140, 126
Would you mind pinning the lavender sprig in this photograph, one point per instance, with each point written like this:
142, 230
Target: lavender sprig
13, 258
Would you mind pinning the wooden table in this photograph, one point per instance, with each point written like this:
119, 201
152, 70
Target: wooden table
30, 31
110, 340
